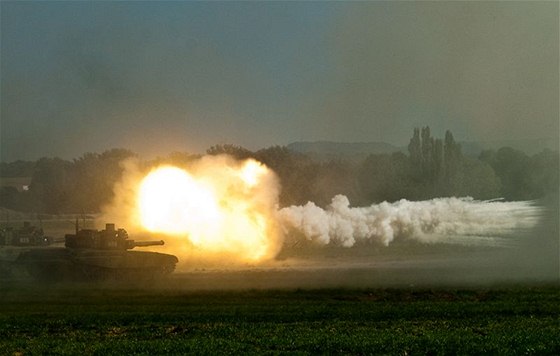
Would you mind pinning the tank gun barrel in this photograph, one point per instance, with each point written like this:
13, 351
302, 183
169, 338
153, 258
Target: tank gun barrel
132, 244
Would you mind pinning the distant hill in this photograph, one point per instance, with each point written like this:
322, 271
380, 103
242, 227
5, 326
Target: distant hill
330, 150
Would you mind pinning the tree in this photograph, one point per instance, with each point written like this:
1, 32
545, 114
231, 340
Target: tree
415, 152
523, 177
452, 161
297, 172
479, 180
93, 178
513, 168
237, 152
428, 171
438, 160
384, 177
50, 184
545, 171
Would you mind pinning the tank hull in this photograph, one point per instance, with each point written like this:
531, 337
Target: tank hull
56, 264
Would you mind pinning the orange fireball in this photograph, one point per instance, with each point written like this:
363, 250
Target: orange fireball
225, 207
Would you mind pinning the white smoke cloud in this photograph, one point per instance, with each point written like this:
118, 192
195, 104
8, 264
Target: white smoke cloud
449, 220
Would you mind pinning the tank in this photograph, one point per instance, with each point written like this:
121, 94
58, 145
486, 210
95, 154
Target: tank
98, 255
17, 241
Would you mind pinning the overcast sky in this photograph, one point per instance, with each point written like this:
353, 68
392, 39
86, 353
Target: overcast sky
157, 77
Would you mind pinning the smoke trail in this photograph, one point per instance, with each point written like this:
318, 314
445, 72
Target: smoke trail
449, 220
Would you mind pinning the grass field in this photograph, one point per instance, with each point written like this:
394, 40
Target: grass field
404, 299
117, 320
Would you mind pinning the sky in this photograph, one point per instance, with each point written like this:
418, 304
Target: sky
158, 77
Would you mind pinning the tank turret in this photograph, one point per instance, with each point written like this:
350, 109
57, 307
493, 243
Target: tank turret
27, 235
17, 241
108, 239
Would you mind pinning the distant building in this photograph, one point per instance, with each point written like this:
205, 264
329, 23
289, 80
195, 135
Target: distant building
20, 183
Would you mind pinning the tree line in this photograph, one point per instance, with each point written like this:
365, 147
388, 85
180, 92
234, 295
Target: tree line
433, 167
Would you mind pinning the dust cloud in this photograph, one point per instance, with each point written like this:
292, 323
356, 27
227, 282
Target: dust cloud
443, 240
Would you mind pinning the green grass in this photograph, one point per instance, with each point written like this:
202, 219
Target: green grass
100, 321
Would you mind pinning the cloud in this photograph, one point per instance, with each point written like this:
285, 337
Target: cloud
483, 70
